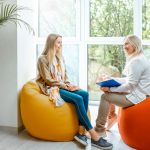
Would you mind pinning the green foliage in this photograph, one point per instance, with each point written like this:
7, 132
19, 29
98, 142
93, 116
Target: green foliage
107, 55
111, 18
9, 13
147, 51
146, 20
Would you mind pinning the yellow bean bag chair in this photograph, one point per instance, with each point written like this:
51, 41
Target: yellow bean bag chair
45, 121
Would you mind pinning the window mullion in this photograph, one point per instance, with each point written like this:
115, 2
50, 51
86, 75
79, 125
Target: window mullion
36, 23
82, 51
140, 18
87, 19
78, 11
137, 15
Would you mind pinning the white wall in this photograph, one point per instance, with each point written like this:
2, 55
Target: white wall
26, 54
17, 65
8, 74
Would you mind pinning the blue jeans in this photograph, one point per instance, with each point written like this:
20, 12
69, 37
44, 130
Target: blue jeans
80, 99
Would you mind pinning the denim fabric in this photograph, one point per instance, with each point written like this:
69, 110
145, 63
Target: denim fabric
80, 99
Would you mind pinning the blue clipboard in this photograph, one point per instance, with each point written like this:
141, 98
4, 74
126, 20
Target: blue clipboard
108, 83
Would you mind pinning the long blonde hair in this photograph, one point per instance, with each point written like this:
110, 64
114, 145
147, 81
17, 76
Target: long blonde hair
49, 49
137, 45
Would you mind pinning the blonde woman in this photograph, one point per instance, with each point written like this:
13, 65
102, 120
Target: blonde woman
134, 89
52, 73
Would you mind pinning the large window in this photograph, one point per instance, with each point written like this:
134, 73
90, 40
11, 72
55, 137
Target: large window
93, 33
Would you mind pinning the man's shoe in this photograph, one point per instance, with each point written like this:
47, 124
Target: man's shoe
82, 139
111, 122
101, 143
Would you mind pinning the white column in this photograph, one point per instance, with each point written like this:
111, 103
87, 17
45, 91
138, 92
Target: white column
8, 74
17, 66
26, 52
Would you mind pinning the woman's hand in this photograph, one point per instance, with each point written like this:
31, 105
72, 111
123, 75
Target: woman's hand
76, 88
106, 77
104, 89
71, 87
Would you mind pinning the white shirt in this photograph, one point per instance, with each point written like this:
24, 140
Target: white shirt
137, 82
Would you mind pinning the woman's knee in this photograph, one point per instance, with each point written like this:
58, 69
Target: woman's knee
79, 99
85, 94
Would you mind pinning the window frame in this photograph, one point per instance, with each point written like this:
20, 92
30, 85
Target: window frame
83, 34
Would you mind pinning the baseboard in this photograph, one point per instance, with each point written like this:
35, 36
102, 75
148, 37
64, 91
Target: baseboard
12, 130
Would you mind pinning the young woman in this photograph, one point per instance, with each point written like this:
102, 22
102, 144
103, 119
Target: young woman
134, 89
52, 73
